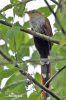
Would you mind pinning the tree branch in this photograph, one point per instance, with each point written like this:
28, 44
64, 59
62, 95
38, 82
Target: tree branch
60, 25
32, 32
31, 78
7, 58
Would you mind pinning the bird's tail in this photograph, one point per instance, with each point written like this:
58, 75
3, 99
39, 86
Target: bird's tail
45, 76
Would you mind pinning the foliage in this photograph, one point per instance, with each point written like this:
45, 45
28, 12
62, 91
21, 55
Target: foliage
19, 44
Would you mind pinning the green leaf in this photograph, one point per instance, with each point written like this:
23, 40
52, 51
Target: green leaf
30, 42
58, 36
18, 10
33, 96
16, 89
3, 30
4, 48
63, 41
9, 6
20, 39
10, 66
10, 19
25, 38
37, 77
13, 31
14, 85
11, 79
16, 37
22, 51
2, 16
58, 51
35, 56
2, 97
45, 10
62, 51
59, 83
53, 52
63, 20
14, 1
26, 25
56, 24
7, 73
17, 24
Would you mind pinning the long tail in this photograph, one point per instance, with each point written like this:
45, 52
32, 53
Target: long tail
46, 74
44, 48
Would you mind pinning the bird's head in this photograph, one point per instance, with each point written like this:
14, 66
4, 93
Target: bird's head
33, 13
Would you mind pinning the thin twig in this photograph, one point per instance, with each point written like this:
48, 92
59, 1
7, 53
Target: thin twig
31, 78
54, 1
62, 68
35, 61
32, 32
60, 25
53, 77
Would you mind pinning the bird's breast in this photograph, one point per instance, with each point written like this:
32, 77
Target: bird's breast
37, 24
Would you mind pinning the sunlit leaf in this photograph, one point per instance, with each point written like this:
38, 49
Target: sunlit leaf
35, 55
37, 77
18, 10
11, 79
14, 1
2, 16
63, 41
58, 36
26, 25
9, 6
30, 42
45, 10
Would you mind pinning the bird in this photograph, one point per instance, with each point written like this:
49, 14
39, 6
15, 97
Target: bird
40, 23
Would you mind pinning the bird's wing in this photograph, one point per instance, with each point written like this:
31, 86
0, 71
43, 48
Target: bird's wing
47, 27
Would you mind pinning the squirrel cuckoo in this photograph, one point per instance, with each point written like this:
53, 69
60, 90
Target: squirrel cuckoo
41, 24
